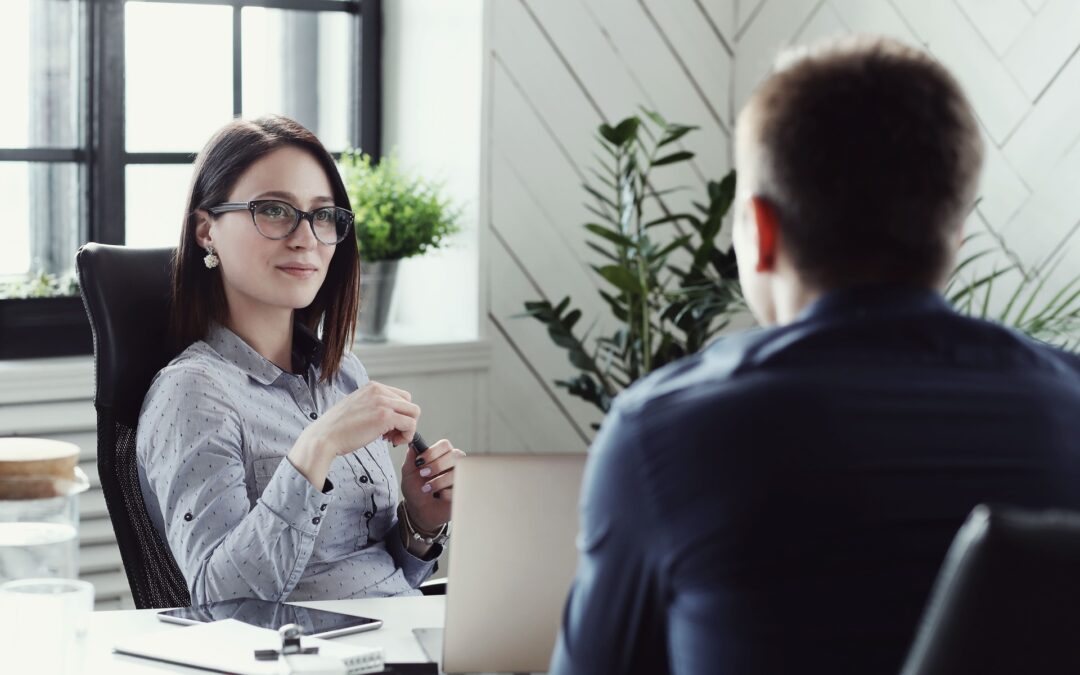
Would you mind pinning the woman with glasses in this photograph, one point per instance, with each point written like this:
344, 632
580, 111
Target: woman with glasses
264, 448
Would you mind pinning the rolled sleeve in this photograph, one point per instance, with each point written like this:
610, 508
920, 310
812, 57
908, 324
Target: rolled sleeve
416, 570
293, 499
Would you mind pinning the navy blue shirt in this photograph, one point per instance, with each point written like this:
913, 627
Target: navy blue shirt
781, 502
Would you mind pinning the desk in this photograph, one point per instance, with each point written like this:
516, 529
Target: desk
399, 616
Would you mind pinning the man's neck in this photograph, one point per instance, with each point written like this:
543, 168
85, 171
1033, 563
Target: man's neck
790, 297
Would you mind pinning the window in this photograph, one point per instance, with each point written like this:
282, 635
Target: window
41, 136
98, 138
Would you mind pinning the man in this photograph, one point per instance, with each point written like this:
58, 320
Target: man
781, 502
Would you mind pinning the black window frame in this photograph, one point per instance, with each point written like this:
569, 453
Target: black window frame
46, 327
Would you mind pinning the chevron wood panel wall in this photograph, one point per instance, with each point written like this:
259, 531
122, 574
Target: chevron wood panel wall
557, 68
1017, 60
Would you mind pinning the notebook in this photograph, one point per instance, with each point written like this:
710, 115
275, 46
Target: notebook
228, 646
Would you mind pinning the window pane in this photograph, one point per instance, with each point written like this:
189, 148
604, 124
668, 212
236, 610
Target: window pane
179, 75
41, 203
302, 65
40, 86
156, 198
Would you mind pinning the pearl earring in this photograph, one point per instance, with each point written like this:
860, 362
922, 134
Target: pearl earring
211, 260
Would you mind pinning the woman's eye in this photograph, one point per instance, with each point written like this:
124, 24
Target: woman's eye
323, 214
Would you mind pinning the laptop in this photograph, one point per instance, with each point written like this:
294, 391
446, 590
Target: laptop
511, 562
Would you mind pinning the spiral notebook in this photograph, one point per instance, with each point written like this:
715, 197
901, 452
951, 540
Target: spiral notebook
228, 646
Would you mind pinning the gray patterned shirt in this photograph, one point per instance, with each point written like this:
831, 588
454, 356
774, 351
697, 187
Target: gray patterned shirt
240, 519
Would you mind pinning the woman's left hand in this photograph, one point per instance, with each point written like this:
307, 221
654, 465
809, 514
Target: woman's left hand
427, 482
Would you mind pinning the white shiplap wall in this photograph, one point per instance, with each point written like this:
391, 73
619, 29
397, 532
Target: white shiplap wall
555, 70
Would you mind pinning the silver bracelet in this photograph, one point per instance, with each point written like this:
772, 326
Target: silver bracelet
439, 537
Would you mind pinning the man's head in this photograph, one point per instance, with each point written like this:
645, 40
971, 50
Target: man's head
857, 161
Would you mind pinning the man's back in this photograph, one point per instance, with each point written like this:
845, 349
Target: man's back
782, 501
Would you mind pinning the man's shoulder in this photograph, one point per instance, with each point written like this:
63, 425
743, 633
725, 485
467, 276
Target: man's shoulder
699, 395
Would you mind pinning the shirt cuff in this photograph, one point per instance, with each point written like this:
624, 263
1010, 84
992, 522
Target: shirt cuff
416, 570
293, 499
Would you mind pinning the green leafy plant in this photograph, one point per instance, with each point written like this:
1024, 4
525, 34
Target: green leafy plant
1025, 306
398, 215
40, 285
663, 310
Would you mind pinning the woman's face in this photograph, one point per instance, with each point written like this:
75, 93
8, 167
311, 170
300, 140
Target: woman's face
261, 274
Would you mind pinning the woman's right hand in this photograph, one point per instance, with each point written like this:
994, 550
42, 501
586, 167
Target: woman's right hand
371, 412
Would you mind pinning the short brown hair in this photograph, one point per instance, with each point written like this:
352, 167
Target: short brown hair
198, 296
871, 154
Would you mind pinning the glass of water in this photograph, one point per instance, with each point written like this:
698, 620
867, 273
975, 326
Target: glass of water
39, 536
43, 623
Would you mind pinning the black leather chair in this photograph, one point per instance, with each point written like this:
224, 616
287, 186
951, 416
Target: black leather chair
126, 294
1007, 599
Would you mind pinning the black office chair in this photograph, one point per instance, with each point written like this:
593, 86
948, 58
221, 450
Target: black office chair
126, 294
1007, 599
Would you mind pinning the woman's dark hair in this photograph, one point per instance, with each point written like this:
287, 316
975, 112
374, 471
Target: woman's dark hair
871, 154
198, 296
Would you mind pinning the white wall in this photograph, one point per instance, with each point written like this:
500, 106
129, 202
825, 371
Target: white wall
557, 69
432, 90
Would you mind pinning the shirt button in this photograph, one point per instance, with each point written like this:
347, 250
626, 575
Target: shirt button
323, 507
188, 516
314, 415
363, 479
316, 520
368, 514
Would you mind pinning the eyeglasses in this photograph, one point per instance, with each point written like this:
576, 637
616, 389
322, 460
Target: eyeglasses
278, 220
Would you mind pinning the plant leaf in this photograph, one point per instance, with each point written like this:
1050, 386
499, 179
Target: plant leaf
621, 278
610, 235
680, 156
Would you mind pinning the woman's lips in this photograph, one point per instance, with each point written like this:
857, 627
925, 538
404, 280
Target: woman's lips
299, 272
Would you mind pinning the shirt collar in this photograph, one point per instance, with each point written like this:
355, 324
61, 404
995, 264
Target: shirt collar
874, 300
307, 351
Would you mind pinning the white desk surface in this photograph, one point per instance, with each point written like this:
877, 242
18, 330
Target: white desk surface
399, 616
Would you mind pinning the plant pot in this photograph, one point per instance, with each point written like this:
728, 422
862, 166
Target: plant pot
377, 281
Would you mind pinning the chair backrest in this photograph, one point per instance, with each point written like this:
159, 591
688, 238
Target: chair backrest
126, 294
1007, 599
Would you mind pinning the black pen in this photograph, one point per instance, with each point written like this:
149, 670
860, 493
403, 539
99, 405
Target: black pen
418, 444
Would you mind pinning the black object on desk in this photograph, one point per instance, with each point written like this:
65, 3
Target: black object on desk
410, 669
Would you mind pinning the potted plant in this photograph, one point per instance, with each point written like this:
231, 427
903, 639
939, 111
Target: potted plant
1024, 303
663, 309
398, 215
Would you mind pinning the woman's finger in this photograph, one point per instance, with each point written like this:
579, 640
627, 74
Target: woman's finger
400, 405
401, 428
438, 484
441, 465
414, 463
400, 393
446, 494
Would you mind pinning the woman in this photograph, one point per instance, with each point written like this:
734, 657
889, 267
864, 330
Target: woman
264, 450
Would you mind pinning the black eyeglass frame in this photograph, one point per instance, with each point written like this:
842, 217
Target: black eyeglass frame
309, 216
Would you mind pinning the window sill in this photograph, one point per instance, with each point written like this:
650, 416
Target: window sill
68, 378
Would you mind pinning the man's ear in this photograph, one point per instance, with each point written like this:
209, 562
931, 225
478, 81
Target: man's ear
767, 227
202, 228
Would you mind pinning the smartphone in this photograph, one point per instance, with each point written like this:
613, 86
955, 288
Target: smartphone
273, 615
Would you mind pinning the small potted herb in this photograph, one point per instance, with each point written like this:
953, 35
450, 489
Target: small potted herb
398, 215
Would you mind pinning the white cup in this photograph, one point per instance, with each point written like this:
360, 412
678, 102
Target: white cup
43, 624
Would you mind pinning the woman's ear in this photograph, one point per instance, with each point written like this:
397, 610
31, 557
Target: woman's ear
202, 228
